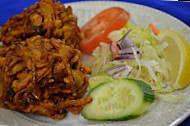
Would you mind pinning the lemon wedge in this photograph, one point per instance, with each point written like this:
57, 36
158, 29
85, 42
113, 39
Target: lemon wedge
178, 54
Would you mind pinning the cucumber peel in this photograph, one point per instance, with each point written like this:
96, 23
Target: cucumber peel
122, 99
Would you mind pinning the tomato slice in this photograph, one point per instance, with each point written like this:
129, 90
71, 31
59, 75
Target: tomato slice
99, 27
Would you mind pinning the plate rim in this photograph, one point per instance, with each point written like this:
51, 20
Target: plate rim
122, 1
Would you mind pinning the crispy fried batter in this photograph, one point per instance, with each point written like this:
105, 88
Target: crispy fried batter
46, 18
40, 67
43, 76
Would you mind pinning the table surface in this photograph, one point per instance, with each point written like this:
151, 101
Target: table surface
180, 10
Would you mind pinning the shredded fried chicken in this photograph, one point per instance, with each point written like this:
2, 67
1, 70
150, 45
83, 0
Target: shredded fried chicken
40, 67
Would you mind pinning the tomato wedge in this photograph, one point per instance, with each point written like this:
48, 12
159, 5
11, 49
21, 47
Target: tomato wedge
98, 28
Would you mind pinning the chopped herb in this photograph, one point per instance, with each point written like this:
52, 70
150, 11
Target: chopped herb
38, 28
11, 92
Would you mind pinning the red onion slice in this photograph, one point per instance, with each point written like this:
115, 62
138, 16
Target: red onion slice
124, 36
114, 47
128, 51
127, 57
115, 69
127, 42
125, 45
125, 51
116, 76
127, 72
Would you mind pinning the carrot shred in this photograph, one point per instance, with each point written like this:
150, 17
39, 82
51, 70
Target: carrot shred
154, 29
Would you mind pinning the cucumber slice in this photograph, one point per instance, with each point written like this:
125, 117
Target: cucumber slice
118, 100
97, 80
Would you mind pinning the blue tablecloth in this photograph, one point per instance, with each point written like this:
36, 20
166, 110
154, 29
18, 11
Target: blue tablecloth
180, 10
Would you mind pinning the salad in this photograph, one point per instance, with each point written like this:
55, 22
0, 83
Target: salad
135, 60
141, 53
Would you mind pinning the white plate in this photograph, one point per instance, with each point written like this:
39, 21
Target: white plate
160, 113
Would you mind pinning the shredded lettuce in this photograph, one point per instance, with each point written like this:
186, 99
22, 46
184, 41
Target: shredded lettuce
170, 97
101, 56
117, 34
142, 35
137, 60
